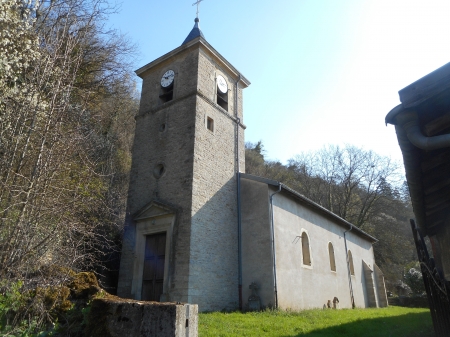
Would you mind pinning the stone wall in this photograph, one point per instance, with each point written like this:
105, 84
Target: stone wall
119, 318
380, 286
213, 280
304, 287
172, 146
257, 258
126, 262
410, 301
370, 285
199, 179
299, 286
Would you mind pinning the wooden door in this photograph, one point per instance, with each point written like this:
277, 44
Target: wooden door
153, 275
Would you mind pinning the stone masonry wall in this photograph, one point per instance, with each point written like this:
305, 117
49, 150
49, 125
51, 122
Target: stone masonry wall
126, 262
213, 280
200, 179
208, 70
174, 148
114, 317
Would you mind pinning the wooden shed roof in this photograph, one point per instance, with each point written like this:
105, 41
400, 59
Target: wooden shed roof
427, 103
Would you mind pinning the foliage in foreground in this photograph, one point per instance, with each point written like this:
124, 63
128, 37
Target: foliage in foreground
66, 122
392, 321
66, 307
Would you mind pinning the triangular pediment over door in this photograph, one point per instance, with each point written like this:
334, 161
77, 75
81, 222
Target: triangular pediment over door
154, 228
154, 209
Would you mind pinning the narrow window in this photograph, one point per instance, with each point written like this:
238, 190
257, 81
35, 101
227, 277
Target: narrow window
222, 100
305, 250
166, 91
332, 260
222, 92
210, 124
350, 263
166, 94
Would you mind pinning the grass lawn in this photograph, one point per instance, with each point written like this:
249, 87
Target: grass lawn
392, 321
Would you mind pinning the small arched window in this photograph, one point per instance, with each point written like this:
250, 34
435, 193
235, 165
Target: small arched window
305, 250
350, 263
222, 92
331, 254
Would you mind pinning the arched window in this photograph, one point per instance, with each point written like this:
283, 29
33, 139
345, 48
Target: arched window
350, 263
305, 249
222, 92
331, 254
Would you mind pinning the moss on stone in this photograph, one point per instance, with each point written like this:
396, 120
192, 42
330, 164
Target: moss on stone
53, 298
83, 285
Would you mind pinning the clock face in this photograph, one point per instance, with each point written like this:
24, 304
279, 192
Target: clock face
167, 78
222, 84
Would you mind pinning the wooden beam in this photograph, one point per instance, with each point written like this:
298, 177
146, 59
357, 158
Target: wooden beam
438, 218
438, 125
440, 184
438, 161
431, 211
437, 198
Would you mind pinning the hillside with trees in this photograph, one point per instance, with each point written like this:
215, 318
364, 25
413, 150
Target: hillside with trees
67, 107
358, 185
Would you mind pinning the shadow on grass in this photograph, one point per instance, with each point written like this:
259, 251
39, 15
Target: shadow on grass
409, 325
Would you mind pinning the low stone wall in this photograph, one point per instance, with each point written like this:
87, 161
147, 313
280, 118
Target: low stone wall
117, 317
409, 301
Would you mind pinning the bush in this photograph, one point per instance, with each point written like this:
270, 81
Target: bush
413, 278
15, 318
58, 310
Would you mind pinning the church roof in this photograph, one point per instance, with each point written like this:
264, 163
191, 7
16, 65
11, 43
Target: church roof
195, 32
301, 198
199, 42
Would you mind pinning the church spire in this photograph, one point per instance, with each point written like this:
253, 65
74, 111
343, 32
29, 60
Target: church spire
195, 32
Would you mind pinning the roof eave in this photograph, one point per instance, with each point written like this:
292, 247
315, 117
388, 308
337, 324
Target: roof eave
197, 42
310, 203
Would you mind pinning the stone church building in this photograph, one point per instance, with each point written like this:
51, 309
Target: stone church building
199, 230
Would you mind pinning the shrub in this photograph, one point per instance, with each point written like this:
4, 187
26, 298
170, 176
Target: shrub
58, 310
413, 278
15, 317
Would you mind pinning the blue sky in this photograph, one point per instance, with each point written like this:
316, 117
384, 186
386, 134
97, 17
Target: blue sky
322, 71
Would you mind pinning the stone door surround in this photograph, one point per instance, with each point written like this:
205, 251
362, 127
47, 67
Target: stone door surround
153, 219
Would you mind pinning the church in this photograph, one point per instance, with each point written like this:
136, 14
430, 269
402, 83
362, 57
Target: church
199, 230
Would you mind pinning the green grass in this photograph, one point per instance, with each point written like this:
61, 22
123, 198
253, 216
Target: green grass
392, 321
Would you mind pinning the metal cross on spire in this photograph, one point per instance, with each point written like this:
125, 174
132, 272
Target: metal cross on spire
198, 6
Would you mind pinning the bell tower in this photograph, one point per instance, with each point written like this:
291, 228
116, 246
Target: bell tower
181, 233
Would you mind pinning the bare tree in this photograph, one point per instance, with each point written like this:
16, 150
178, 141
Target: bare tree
358, 185
66, 119
348, 181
